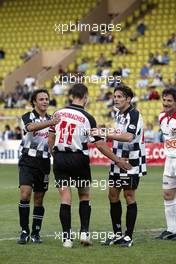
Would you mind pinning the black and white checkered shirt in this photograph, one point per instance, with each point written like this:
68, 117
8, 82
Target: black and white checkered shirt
35, 144
130, 121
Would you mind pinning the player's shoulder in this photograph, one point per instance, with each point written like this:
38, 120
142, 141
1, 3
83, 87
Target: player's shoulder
26, 115
161, 116
33, 115
88, 115
134, 110
130, 111
134, 113
81, 110
90, 118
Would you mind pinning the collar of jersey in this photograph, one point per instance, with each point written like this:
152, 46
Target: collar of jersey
128, 109
170, 117
78, 106
37, 114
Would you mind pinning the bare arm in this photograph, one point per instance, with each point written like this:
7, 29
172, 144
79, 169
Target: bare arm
121, 162
38, 126
125, 137
111, 134
51, 141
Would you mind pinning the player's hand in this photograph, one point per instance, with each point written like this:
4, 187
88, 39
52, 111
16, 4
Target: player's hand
124, 164
54, 121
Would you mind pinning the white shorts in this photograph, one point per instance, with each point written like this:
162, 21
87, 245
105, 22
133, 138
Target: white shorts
169, 175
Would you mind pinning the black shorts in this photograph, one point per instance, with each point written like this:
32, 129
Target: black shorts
123, 182
71, 169
34, 172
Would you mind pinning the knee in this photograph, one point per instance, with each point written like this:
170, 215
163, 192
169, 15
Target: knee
84, 197
38, 199
65, 196
113, 197
38, 202
84, 194
25, 196
129, 197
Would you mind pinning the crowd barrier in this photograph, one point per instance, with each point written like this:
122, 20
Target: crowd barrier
9, 153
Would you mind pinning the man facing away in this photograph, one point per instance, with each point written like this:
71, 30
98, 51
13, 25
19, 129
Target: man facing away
71, 161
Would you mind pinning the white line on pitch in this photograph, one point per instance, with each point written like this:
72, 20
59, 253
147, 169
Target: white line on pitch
137, 231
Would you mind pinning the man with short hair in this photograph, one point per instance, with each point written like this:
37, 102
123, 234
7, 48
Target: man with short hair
34, 165
167, 121
71, 161
128, 142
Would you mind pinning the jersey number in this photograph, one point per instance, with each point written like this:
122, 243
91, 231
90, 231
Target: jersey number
70, 130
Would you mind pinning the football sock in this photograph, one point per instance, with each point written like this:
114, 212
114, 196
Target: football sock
24, 209
84, 213
131, 219
170, 214
116, 214
38, 214
65, 218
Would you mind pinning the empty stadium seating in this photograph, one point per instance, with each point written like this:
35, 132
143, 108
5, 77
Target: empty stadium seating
27, 24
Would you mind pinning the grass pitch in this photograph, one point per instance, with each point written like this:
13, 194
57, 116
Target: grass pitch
150, 223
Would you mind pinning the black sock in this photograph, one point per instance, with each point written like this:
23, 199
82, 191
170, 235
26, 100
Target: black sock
38, 214
65, 218
84, 213
24, 209
116, 214
131, 219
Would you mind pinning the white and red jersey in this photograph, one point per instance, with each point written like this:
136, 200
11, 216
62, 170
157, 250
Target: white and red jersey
168, 128
72, 131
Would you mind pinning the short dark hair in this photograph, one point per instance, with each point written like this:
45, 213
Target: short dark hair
79, 90
170, 91
127, 91
35, 93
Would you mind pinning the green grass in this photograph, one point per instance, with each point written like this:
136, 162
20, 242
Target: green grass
145, 250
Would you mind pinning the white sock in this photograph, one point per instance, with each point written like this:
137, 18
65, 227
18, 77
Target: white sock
170, 214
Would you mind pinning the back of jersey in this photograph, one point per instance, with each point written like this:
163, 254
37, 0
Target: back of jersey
71, 132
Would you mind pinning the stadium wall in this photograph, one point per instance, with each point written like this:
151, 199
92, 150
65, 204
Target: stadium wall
99, 15
50, 58
36, 67
126, 9
119, 6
